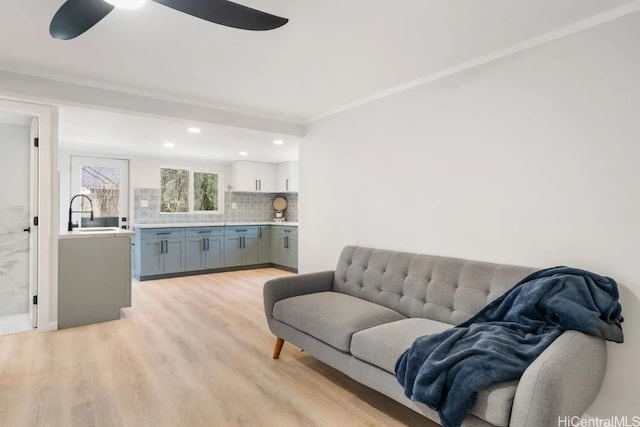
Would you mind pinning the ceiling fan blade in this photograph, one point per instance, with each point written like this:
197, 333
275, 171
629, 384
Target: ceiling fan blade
76, 16
227, 13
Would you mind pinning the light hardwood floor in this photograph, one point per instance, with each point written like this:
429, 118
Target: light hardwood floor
193, 351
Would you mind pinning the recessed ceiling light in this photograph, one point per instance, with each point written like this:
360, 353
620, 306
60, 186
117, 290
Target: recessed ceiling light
169, 144
127, 4
278, 141
243, 153
193, 130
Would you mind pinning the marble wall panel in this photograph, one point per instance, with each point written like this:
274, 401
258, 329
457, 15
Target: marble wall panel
14, 260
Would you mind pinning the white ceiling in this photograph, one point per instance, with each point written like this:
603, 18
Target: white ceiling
332, 53
109, 132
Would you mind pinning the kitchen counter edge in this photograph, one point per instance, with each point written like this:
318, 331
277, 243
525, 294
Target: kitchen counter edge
214, 224
64, 234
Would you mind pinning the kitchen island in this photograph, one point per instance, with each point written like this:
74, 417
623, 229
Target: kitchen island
94, 275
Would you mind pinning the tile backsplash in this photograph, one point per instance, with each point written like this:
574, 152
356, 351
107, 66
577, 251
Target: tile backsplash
249, 207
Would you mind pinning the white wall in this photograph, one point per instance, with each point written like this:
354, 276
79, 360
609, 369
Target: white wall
530, 160
144, 172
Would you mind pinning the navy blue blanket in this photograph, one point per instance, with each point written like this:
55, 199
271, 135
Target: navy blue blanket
446, 370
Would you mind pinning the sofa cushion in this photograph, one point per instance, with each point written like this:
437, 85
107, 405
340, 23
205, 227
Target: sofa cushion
332, 317
382, 345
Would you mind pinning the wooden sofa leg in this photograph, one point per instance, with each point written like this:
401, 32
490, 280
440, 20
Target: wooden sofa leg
278, 348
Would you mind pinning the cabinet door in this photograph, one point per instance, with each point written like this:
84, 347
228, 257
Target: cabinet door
215, 252
264, 244
266, 177
253, 177
151, 260
232, 254
243, 177
293, 252
282, 174
196, 255
249, 250
277, 245
174, 256
293, 184
287, 177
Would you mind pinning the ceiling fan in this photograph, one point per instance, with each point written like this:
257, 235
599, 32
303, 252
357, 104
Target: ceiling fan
76, 16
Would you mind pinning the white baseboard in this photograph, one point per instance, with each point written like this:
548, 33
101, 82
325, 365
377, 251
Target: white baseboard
51, 326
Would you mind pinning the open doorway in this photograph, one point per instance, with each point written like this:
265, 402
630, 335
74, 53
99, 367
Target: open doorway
18, 205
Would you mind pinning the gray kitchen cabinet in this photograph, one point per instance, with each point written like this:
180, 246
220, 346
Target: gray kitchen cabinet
284, 246
94, 278
277, 246
161, 251
264, 244
204, 248
240, 246
171, 251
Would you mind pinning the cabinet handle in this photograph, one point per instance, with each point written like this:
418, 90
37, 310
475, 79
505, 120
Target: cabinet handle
240, 242
244, 242
208, 246
161, 246
241, 231
286, 242
256, 185
204, 232
168, 233
260, 232
166, 246
204, 244
287, 186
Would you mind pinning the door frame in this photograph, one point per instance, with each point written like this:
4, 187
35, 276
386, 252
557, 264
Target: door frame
46, 241
33, 211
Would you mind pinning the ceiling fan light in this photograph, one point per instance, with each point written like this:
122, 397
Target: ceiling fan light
127, 4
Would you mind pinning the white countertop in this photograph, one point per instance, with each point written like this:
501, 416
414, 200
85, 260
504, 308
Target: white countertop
214, 224
110, 232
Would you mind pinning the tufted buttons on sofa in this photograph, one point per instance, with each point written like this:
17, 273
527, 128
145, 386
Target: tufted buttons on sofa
445, 289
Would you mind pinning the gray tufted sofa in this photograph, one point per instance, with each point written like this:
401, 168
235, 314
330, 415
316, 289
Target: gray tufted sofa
360, 318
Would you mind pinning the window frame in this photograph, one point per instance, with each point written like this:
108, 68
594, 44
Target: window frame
191, 194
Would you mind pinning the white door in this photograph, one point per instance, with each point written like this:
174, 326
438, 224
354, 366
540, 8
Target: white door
106, 182
16, 188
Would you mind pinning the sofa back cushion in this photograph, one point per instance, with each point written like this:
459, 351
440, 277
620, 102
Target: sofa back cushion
445, 289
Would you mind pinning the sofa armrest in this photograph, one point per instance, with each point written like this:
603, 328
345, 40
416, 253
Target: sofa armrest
291, 286
562, 382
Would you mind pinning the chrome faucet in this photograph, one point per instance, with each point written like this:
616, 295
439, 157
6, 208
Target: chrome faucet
71, 225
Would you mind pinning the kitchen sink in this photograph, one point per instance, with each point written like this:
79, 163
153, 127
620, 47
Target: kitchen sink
96, 229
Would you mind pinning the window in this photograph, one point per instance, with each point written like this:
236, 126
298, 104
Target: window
102, 185
185, 190
205, 191
174, 190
